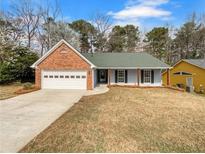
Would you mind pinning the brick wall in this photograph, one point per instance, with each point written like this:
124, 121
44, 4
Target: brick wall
63, 58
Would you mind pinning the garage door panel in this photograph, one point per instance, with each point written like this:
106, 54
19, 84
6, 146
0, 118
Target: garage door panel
64, 79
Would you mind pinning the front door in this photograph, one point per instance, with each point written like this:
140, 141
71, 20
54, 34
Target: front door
102, 76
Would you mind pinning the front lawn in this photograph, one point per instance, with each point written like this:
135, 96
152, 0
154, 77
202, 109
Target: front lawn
128, 120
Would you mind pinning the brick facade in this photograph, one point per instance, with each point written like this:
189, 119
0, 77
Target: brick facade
63, 58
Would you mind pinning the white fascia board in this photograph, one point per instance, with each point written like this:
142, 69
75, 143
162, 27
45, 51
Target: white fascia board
133, 67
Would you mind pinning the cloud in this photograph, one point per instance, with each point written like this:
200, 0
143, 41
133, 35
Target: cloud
128, 21
147, 2
141, 9
140, 12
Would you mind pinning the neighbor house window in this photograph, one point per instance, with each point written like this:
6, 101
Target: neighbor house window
182, 73
185, 73
177, 73
121, 76
147, 76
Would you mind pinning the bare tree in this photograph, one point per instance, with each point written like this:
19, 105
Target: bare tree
170, 54
10, 32
202, 34
103, 26
5, 29
41, 38
61, 30
29, 15
53, 28
17, 30
102, 22
50, 13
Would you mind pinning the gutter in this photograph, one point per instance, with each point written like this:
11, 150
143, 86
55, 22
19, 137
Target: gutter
133, 67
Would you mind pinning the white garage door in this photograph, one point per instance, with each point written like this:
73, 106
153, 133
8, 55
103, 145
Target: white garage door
64, 79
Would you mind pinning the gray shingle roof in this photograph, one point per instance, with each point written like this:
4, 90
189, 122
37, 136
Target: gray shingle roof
136, 60
198, 62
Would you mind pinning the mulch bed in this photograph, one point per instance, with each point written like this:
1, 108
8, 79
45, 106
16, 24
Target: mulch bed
24, 91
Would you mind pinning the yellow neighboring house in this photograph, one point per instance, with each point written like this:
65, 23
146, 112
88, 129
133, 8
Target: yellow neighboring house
188, 74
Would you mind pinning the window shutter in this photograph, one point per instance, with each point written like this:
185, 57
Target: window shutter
107, 76
115, 76
142, 76
125, 76
98, 75
152, 76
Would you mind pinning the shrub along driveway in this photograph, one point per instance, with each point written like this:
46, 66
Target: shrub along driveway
128, 120
25, 116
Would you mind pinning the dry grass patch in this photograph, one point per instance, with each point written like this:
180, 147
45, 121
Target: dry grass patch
8, 91
14, 89
128, 120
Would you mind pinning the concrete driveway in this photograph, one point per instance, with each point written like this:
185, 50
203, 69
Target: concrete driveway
25, 116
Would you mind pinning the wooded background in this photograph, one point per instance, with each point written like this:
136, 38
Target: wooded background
29, 30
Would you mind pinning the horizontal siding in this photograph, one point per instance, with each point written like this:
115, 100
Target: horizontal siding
132, 78
157, 79
198, 75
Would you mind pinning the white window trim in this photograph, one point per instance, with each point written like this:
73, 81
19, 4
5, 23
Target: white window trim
150, 77
123, 77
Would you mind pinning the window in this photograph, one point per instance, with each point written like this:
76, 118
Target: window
78, 77
177, 73
56, 76
185, 73
147, 76
121, 76
72, 76
50, 76
61, 76
66, 76
182, 73
45, 76
83, 76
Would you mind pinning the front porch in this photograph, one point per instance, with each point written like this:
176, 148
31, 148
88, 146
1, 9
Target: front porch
129, 77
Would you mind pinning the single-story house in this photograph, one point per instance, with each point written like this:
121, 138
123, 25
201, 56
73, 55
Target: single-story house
188, 74
64, 67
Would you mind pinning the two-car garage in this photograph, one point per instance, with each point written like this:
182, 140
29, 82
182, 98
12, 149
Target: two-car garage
63, 79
